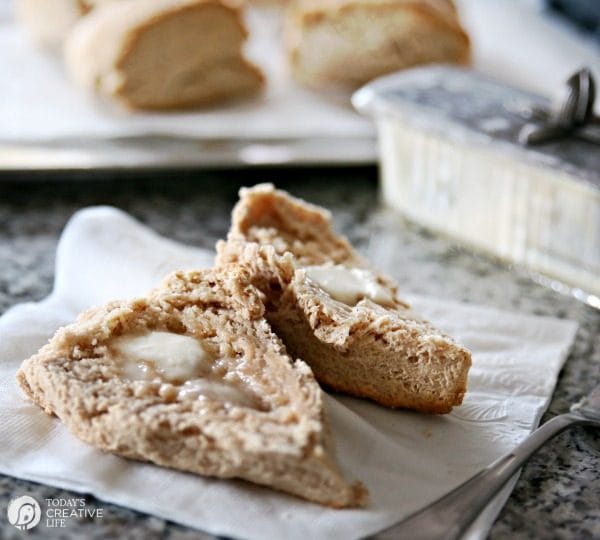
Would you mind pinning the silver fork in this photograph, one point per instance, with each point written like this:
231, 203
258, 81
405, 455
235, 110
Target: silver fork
449, 517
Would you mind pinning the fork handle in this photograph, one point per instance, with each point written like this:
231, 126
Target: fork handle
449, 517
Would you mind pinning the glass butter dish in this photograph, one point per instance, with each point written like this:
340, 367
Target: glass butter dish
451, 160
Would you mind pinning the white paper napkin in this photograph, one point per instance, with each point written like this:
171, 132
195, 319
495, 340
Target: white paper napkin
406, 459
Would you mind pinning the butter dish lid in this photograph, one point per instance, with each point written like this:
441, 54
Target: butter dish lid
462, 105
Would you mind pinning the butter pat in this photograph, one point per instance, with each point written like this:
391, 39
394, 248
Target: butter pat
170, 356
349, 285
179, 364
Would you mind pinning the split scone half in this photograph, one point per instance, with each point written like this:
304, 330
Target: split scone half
193, 378
350, 42
163, 54
335, 312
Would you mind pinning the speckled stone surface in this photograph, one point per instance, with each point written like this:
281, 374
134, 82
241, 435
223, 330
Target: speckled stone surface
558, 494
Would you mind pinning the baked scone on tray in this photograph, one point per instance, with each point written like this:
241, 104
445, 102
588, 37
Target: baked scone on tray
335, 312
48, 21
349, 42
192, 377
163, 54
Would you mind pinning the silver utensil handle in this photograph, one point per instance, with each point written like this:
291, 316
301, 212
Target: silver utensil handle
449, 517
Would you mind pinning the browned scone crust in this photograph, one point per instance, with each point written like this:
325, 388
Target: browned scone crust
164, 54
385, 353
284, 442
349, 42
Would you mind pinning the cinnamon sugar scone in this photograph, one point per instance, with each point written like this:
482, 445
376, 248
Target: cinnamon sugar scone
193, 378
349, 42
164, 54
335, 312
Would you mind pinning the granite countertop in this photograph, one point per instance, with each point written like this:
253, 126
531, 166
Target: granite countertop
558, 494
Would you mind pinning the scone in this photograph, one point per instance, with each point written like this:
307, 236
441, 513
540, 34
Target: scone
349, 42
49, 21
163, 54
192, 378
336, 313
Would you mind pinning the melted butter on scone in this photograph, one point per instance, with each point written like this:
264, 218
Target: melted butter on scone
174, 356
180, 362
349, 285
220, 391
